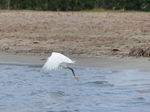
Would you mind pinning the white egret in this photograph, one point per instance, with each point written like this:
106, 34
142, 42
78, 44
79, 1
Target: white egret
58, 61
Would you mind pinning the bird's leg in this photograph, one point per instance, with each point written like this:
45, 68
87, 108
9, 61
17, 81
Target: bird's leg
73, 73
71, 70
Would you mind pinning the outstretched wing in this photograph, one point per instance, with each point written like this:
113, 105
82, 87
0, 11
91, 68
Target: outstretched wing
57, 61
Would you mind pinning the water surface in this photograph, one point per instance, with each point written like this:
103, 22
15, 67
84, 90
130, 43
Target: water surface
28, 88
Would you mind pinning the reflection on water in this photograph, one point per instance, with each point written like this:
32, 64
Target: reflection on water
27, 88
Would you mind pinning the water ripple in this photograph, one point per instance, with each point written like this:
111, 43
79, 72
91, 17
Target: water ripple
27, 88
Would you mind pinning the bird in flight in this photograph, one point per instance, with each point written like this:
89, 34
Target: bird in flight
58, 61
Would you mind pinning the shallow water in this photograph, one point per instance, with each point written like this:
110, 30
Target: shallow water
28, 88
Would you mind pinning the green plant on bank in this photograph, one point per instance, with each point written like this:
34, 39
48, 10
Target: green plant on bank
76, 5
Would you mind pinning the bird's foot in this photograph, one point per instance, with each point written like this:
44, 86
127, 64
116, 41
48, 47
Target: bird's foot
76, 78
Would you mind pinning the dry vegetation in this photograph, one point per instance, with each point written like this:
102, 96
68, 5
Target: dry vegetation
74, 33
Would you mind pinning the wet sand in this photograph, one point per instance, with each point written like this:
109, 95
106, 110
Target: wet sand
101, 61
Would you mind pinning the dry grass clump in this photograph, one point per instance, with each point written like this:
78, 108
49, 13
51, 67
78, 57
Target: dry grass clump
140, 51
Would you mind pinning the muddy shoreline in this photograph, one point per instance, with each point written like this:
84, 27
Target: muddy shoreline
101, 61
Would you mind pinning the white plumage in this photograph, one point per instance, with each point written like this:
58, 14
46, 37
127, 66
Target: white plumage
57, 61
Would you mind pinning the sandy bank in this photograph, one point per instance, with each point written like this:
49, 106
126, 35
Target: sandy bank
104, 36
73, 33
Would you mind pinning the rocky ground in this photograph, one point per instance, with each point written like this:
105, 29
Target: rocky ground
75, 33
